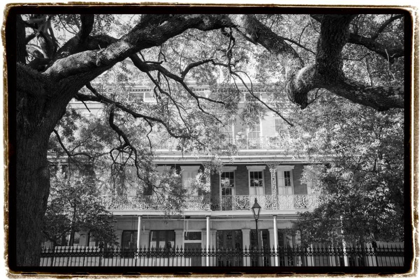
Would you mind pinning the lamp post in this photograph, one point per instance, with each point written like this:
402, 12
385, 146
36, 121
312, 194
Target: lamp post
256, 208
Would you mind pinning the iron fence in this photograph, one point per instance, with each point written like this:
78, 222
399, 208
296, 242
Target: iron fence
324, 256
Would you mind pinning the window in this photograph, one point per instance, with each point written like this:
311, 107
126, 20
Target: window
148, 96
129, 240
189, 177
256, 180
279, 126
91, 242
227, 131
285, 179
192, 236
227, 182
254, 133
256, 183
162, 239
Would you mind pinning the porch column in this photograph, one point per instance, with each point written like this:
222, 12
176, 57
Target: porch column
276, 241
138, 232
272, 168
246, 240
207, 240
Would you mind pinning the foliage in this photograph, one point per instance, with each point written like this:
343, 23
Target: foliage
363, 184
75, 205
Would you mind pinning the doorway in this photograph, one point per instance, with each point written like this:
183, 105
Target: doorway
229, 244
264, 245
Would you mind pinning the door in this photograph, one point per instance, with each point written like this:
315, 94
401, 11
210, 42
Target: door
264, 247
229, 248
285, 182
128, 243
228, 190
193, 253
256, 184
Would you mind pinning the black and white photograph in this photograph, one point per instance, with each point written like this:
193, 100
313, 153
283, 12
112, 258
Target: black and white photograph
208, 140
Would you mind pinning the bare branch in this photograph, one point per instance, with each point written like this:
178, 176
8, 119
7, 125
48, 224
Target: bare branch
386, 52
192, 65
70, 155
298, 44
100, 98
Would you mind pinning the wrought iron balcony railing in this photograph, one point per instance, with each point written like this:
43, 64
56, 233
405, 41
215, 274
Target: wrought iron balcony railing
242, 143
226, 203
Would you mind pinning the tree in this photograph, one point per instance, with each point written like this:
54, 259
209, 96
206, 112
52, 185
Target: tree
75, 205
362, 186
50, 72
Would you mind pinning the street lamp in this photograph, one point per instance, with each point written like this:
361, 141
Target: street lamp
256, 208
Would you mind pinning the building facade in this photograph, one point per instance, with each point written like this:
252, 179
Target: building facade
261, 171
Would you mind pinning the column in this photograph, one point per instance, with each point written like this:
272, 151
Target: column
207, 240
220, 190
138, 232
213, 233
273, 186
273, 179
246, 240
276, 240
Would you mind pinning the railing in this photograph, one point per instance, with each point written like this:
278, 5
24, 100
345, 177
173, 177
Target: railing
150, 202
268, 202
326, 256
242, 143
227, 203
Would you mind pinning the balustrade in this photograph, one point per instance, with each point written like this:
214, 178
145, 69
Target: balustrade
227, 202
244, 143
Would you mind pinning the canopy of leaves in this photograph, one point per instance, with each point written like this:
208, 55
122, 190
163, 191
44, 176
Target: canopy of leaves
362, 186
75, 204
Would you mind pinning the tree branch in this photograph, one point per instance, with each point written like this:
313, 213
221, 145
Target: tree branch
100, 98
384, 25
70, 155
87, 26
389, 53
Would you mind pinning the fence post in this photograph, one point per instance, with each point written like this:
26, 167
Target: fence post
52, 255
100, 253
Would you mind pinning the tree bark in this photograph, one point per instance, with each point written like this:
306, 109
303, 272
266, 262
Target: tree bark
32, 190
36, 116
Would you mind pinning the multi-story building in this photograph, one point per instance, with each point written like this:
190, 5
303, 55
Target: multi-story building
261, 171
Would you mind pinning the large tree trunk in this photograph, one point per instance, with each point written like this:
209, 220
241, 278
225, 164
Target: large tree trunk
32, 190
37, 113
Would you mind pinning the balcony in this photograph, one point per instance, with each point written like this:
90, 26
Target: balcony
242, 143
299, 202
